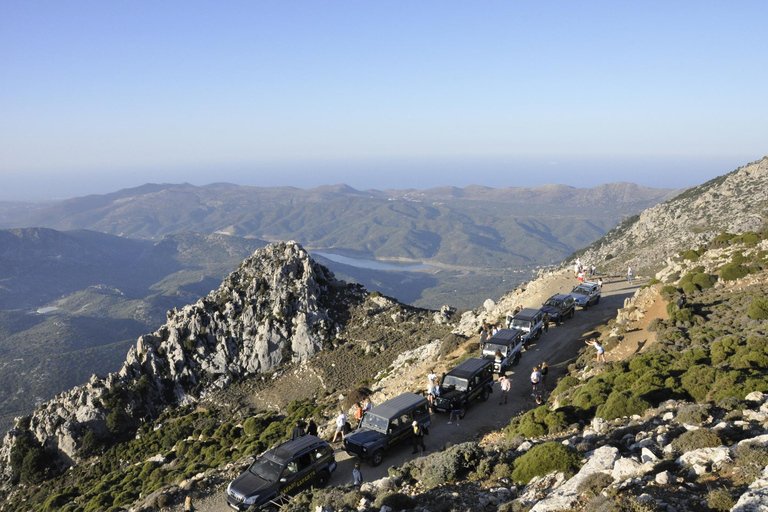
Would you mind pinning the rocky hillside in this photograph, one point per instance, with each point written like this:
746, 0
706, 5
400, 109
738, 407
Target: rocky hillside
736, 202
279, 306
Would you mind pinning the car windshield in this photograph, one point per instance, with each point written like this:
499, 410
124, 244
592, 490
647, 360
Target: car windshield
553, 303
491, 348
521, 324
456, 382
266, 469
581, 290
375, 422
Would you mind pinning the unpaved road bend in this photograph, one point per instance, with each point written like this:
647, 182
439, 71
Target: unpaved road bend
558, 348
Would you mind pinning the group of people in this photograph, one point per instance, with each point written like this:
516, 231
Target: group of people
343, 426
302, 429
580, 270
539, 380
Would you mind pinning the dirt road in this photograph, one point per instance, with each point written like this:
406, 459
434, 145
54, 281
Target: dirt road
558, 348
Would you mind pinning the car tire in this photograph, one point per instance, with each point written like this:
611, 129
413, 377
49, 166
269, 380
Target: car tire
517, 358
597, 300
559, 320
377, 458
485, 395
573, 312
463, 412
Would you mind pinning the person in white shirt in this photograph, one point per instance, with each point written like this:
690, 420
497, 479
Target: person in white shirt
341, 421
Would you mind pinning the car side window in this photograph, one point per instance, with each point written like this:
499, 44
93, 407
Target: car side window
305, 461
405, 419
291, 469
420, 411
394, 423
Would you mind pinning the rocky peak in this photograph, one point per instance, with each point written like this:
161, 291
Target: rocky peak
278, 306
735, 203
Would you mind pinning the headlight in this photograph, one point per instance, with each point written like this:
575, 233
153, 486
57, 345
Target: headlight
365, 450
251, 500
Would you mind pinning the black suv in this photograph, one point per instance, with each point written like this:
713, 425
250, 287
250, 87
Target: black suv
282, 471
387, 425
530, 321
509, 342
471, 380
559, 307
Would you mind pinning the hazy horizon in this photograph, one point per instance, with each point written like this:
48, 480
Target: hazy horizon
580, 173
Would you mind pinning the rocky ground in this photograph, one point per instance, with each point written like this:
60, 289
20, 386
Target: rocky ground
407, 373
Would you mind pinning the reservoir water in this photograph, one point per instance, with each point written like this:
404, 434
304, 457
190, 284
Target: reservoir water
372, 264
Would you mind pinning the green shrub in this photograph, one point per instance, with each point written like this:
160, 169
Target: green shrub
690, 288
653, 282
544, 459
594, 484
691, 255
704, 281
720, 499
620, 404
693, 414
668, 292
731, 272
758, 309
565, 384
694, 439
751, 459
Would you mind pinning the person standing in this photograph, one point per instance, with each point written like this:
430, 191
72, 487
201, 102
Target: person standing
455, 412
357, 475
505, 385
311, 427
431, 381
358, 415
298, 431
546, 322
535, 377
368, 405
600, 283
418, 437
600, 349
341, 421
543, 371
629, 275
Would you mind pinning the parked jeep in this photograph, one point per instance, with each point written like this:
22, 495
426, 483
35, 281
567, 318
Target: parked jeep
471, 380
531, 322
559, 307
387, 425
507, 341
586, 294
282, 471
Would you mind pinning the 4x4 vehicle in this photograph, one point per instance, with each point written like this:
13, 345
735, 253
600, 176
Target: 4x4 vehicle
559, 307
531, 322
282, 471
507, 341
471, 380
586, 294
387, 425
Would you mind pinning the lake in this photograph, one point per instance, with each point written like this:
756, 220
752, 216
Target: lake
372, 264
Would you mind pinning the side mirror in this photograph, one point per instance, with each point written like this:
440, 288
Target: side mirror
283, 480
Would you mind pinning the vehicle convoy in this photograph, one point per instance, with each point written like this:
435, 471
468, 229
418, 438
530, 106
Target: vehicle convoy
470, 381
559, 307
531, 322
586, 294
282, 471
509, 342
386, 425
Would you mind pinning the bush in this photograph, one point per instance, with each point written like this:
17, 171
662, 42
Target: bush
720, 499
595, 483
668, 292
731, 272
565, 384
691, 255
758, 309
694, 439
704, 281
751, 459
693, 414
544, 459
620, 404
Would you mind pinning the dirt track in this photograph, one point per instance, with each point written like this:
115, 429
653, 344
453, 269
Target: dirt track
558, 347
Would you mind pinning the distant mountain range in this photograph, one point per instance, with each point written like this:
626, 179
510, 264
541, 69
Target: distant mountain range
474, 226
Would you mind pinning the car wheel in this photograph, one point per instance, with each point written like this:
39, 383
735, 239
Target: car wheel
597, 300
573, 312
538, 335
516, 359
463, 412
485, 394
377, 458
559, 320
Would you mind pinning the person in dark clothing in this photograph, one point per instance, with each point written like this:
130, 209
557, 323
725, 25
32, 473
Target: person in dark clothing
543, 371
357, 476
546, 322
297, 431
418, 437
312, 427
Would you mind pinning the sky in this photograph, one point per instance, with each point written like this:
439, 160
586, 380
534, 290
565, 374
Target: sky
96, 96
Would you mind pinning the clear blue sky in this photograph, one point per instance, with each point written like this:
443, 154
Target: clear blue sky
101, 95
